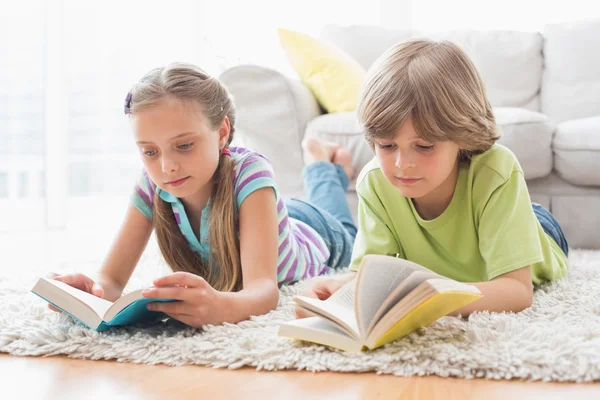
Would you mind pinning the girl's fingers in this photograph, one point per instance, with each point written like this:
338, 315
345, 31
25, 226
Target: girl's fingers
50, 306
181, 279
170, 292
176, 307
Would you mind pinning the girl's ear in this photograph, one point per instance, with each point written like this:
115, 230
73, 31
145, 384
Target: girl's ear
224, 130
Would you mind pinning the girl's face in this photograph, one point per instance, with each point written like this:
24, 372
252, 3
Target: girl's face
179, 149
418, 169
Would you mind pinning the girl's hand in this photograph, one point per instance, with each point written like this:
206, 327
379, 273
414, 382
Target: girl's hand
79, 281
199, 304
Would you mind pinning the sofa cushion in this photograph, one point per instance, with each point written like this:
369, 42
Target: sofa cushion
577, 151
333, 76
364, 43
272, 114
510, 62
571, 82
527, 133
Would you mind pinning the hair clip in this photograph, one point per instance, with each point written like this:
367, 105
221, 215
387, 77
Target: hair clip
128, 103
225, 151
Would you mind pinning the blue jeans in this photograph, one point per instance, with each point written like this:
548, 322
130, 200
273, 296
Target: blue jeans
551, 227
326, 210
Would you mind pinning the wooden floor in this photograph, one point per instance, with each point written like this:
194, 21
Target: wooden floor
63, 378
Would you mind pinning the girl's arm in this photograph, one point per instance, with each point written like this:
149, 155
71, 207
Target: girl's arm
200, 303
259, 237
512, 291
124, 254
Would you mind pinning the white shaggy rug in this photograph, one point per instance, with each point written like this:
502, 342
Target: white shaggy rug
557, 339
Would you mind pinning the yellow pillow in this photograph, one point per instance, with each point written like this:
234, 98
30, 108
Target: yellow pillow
333, 76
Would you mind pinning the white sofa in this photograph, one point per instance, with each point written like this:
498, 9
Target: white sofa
544, 87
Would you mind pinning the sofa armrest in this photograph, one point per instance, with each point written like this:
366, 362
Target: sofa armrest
272, 114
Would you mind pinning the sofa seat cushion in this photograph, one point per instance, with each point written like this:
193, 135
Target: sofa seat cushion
577, 151
527, 133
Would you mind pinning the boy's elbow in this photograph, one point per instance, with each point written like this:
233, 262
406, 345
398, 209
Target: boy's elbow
527, 296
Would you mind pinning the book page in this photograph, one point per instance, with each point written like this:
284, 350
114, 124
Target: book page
344, 296
121, 303
378, 277
431, 300
319, 330
98, 305
339, 308
400, 292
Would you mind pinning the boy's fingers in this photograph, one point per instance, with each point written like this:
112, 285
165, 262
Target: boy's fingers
301, 313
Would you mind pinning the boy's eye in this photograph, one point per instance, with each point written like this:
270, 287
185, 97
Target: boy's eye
425, 148
386, 146
185, 146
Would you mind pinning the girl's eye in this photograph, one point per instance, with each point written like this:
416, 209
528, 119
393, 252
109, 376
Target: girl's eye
150, 153
425, 148
185, 146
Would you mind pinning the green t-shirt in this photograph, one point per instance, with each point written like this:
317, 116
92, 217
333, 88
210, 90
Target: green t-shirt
488, 229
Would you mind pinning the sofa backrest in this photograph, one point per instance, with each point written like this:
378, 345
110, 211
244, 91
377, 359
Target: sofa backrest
510, 62
571, 82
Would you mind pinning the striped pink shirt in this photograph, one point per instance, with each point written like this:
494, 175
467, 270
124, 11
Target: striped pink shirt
302, 251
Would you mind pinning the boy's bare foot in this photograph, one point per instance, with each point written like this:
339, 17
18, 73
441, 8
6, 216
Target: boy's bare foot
343, 157
318, 150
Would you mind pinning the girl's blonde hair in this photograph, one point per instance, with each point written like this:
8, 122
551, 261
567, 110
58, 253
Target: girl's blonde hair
438, 87
192, 86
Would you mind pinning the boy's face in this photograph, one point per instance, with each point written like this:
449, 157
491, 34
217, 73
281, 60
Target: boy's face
418, 169
178, 148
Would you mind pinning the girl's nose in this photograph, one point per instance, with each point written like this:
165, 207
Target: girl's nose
169, 165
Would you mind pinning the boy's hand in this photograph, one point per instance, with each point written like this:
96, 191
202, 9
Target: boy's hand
322, 287
199, 303
78, 281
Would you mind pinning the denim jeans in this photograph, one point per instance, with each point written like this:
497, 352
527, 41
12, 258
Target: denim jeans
551, 227
326, 209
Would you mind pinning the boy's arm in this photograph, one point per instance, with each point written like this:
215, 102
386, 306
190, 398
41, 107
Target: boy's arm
511, 292
373, 237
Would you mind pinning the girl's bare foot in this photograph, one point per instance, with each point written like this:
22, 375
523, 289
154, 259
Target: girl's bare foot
343, 157
318, 150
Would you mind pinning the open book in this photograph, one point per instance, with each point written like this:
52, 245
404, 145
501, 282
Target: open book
389, 298
94, 312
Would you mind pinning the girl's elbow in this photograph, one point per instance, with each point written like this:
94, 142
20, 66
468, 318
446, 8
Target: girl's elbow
273, 297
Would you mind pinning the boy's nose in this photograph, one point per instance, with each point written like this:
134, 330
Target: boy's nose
403, 162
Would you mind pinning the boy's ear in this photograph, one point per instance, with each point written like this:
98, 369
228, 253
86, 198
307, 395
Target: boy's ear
224, 131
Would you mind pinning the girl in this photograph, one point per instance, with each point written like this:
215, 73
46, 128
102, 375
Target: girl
219, 220
440, 192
